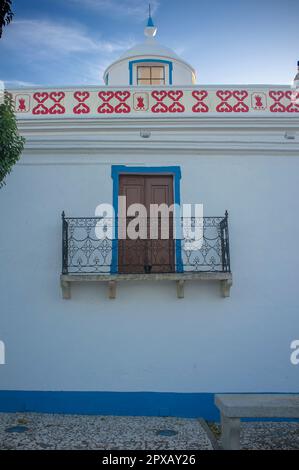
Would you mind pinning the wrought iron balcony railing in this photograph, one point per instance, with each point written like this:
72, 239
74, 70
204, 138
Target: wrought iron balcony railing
84, 253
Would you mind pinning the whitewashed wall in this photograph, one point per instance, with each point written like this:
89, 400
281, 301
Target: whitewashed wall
147, 339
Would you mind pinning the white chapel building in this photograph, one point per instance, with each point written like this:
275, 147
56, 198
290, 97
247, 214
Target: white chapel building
149, 326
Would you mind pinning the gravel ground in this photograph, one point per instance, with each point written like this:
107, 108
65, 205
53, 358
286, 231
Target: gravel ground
265, 435
53, 431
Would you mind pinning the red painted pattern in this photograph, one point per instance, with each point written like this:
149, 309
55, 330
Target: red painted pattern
232, 101
176, 106
174, 96
277, 106
290, 104
41, 108
56, 107
293, 97
120, 97
200, 106
162, 101
159, 107
81, 107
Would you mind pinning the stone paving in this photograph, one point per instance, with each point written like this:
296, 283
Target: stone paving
54, 431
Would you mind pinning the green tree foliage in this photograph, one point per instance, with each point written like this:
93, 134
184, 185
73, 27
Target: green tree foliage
5, 14
11, 143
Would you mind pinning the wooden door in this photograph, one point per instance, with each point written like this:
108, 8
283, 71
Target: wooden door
147, 256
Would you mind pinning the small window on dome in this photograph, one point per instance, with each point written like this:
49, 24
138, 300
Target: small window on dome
150, 75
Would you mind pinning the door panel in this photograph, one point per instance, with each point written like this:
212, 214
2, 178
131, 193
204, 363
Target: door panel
157, 255
131, 253
159, 190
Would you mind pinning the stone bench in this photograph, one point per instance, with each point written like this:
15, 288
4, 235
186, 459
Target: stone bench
233, 407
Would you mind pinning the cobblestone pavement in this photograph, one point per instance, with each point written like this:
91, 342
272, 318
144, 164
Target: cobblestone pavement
54, 431
266, 435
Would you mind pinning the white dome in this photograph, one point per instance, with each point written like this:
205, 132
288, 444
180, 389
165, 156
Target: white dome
152, 48
148, 49
117, 72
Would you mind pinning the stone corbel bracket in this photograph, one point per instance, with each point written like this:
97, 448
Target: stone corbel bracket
225, 280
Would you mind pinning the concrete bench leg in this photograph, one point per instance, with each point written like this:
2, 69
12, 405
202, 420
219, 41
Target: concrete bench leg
230, 433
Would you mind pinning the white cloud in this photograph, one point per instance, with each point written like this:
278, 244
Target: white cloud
59, 53
44, 37
119, 8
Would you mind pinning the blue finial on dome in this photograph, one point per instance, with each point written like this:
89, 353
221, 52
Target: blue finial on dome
150, 29
150, 23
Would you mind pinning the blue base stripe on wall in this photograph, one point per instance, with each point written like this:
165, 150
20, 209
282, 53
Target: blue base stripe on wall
184, 405
187, 405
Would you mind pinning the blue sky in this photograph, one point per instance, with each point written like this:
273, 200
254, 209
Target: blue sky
66, 42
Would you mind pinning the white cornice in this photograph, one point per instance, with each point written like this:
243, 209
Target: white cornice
79, 147
260, 122
177, 136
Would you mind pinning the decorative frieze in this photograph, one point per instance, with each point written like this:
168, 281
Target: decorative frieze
135, 101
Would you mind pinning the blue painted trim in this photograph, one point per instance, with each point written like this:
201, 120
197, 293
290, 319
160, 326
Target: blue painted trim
132, 62
187, 405
116, 171
150, 23
178, 241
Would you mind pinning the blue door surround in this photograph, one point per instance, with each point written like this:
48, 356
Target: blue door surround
116, 171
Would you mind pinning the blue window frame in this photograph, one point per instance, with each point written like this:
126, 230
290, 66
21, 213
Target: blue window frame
153, 61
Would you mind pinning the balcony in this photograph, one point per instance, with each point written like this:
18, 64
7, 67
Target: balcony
88, 258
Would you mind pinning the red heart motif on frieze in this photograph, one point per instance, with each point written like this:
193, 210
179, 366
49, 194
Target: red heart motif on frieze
159, 95
292, 95
292, 108
106, 95
277, 108
276, 95
224, 108
41, 97
240, 94
122, 108
122, 95
57, 109
105, 108
240, 108
81, 108
200, 108
175, 95
81, 95
224, 95
40, 109
57, 96
159, 108
176, 108
200, 94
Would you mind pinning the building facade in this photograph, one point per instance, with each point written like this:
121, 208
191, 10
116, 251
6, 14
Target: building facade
150, 327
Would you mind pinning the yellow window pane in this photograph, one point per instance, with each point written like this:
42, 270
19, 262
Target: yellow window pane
144, 72
158, 81
157, 72
144, 81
